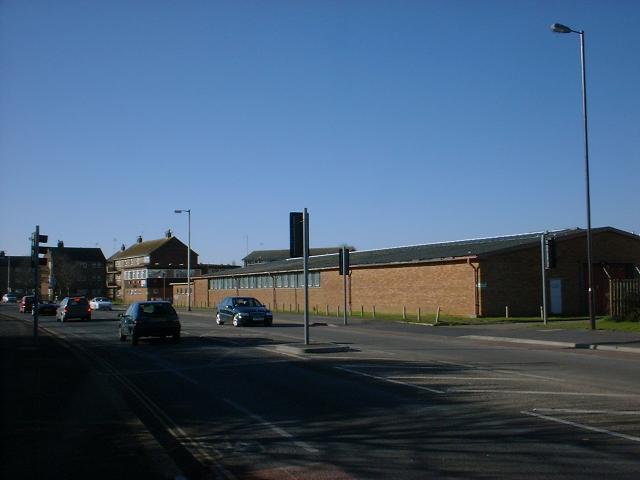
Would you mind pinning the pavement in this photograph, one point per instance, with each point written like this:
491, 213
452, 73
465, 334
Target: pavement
530, 334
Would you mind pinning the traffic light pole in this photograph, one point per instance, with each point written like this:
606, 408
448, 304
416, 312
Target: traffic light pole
544, 277
36, 279
306, 276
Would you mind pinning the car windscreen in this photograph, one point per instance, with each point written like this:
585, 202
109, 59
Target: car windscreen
247, 302
159, 311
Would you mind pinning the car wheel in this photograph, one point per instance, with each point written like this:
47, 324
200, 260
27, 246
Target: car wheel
219, 320
268, 323
176, 338
134, 339
123, 337
236, 321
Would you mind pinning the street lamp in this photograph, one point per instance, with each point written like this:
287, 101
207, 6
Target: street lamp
188, 212
559, 28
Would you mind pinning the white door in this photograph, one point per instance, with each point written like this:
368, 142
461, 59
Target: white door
555, 286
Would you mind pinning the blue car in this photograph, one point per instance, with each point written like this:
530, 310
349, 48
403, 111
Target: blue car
243, 311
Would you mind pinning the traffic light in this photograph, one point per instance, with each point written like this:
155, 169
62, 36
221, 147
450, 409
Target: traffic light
549, 253
343, 261
296, 234
37, 249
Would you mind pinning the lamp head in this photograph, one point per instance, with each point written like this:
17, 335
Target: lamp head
559, 28
177, 211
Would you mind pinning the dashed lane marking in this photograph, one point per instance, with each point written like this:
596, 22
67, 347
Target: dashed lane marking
275, 428
583, 426
385, 379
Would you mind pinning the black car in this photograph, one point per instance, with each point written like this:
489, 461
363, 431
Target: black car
149, 319
47, 308
73, 307
243, 311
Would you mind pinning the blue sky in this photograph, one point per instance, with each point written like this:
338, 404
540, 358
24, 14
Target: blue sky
393, 122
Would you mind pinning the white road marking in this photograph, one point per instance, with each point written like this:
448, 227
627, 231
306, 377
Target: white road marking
275, 428
584, 427
501, 370
385, 379
396, 367
592, 412
535, 392
449, 377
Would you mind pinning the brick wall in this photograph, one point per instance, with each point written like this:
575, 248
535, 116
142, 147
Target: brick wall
514, 279
510, 279
449, 286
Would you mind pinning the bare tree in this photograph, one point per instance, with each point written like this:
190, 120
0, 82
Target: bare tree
68, 274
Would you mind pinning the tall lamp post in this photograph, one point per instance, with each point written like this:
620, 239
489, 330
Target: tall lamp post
559, 28
188, 212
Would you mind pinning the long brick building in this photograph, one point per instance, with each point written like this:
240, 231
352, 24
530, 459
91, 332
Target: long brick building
477, 277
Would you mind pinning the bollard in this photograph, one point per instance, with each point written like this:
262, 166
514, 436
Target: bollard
374, 312
506, 311
437, 315
327, 305
404, 312
418, 313
541, 312
361, 311
338, 311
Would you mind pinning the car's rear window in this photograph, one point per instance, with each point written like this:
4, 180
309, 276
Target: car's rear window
151, 310
77, 301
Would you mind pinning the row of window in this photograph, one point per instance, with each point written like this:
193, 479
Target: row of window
159, 273
132, 262
285, 280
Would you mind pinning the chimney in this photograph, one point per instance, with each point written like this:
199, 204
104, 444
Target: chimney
60, 244
139, 240
123, 248
168, 233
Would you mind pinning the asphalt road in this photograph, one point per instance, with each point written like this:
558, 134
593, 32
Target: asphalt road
402, 403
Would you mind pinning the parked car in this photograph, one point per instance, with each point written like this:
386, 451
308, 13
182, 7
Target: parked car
26, 304
46, 307
73, 307
243, 311
149, 319
100, 303
10, 298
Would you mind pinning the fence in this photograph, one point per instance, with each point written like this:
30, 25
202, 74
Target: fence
624, 297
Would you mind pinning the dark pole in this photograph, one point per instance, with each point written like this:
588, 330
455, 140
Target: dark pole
592, 317
189, 264
36, 288
306, 275
559, 28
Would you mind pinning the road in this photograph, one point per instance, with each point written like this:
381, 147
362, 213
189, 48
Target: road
402, 403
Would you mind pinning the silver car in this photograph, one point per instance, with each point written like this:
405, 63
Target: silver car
100, 303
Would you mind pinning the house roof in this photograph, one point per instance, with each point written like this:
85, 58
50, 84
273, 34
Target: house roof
414, 254
274, 255
141, 249
79, 254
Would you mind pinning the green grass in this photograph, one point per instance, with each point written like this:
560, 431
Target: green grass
569, 323
604, 323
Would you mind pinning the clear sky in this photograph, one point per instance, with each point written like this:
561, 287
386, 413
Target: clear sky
393, 122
